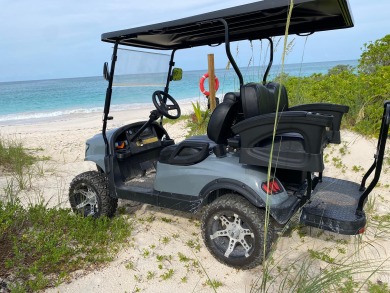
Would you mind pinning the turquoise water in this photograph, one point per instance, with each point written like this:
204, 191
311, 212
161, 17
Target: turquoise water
50, 98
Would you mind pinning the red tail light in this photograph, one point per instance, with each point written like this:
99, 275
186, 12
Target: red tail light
273, 187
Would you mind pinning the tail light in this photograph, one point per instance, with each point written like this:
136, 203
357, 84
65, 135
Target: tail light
272, 187
362, 230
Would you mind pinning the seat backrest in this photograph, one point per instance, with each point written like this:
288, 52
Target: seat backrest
274, 88
221, 121
258, 99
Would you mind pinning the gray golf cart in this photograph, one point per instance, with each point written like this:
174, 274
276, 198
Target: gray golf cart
225, 171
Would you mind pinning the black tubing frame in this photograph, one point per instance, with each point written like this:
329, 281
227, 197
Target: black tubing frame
378, 159
107, 103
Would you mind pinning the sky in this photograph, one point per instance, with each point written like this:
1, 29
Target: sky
49, 39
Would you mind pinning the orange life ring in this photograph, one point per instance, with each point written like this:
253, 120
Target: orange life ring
201, 84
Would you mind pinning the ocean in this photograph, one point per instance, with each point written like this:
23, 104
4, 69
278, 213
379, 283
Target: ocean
24, 101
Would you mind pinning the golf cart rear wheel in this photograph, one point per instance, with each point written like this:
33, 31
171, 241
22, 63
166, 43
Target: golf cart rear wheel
89, 196
233, 232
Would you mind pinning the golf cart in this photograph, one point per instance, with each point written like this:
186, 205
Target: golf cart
226, 171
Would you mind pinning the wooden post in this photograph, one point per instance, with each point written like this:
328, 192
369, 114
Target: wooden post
211, 81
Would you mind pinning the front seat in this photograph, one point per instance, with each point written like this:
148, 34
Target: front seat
197, 148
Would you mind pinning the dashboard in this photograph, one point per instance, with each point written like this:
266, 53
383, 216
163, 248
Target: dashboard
150, 138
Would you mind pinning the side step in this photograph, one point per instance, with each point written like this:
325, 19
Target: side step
333, 206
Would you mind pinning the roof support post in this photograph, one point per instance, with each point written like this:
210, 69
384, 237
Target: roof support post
108, 96
228, 53
271, 60
171, 64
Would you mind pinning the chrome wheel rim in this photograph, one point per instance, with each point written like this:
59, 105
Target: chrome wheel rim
232, 240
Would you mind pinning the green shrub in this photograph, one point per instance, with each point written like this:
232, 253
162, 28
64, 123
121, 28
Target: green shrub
375, 55
199, 120
40, 247
363, 91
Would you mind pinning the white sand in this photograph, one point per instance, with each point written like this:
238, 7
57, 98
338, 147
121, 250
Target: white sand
63, 139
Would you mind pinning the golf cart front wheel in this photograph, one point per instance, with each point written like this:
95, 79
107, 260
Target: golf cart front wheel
233, 232
89, 196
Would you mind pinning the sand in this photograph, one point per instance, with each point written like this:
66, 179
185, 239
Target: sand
137, 268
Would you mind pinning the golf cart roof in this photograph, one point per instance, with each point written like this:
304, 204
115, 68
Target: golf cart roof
252, 21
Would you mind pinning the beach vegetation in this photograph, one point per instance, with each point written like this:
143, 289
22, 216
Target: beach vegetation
378, 287
375, 54
14, 157
162, 257
167, 275
317, 271
199, 120
130, 265
194, 244
165, 240
166, 220
150, 275
357, 168
338, 69
174, 121
145, 253
40, 246
364, 91
183, 257
215, 284
16, 161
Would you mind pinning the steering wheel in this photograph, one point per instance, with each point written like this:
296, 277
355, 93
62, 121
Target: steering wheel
160, 100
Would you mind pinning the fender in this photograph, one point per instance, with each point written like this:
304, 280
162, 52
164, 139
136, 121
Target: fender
280, 213
234, 185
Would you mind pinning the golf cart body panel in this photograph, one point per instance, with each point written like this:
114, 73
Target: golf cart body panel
95, 146
214, 174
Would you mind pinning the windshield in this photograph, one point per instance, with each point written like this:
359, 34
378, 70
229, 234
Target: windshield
137, 75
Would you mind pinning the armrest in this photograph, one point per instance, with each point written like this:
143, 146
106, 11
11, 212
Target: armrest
312, 126
337, 111
189, 153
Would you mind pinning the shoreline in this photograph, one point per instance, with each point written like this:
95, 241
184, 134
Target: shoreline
129, 111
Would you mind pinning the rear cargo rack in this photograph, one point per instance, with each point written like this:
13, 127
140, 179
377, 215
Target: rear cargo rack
337, 205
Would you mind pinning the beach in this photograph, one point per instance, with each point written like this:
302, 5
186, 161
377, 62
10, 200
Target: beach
62, 140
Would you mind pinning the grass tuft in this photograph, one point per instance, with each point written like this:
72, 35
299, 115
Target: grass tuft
42, 247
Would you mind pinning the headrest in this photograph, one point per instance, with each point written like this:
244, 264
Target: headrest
274, 88
256, 100
231, 97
